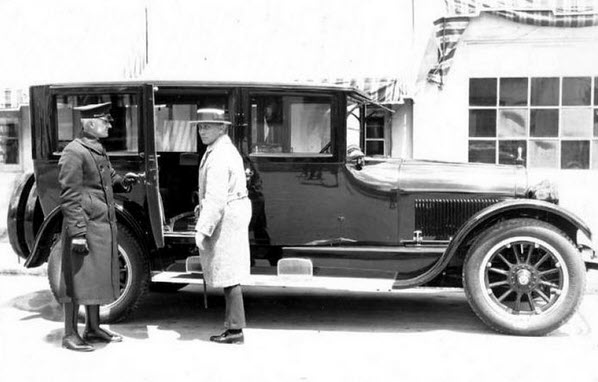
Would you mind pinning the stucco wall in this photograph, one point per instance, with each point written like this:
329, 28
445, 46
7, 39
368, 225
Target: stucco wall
495, 47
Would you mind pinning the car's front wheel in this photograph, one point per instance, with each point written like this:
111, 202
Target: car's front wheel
524, 277
133, 276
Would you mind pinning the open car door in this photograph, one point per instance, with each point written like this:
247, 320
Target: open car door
154, 201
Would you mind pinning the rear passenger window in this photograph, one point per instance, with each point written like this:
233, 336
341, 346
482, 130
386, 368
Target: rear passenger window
291, 125
123, 135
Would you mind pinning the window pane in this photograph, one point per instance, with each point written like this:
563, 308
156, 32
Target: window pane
595, 90
512, 122
9, 142
512, 152
353, 122
595, 155
544, 123
482, 123
545, 92
375, 127
543, 154
124, 132
482, 92
577, 123
513, 92
575, 154
482, 151
576, 91
290, 124
374, 148
595, 122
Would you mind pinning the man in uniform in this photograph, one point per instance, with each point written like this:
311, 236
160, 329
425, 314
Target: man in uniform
224, 215
89, 261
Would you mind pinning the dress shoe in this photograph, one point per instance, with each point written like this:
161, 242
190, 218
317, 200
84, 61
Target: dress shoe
73, 342
228, 337
101, 335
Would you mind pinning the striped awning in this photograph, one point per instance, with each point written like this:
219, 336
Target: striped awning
553, 13
382, 90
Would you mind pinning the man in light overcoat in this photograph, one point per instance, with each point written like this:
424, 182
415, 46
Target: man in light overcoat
222, 227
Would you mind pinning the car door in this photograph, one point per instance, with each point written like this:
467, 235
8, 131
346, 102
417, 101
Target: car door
154, 203
290, 143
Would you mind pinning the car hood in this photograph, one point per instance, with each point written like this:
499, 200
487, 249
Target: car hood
433, 176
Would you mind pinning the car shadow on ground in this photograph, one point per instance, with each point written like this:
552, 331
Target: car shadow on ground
182, 312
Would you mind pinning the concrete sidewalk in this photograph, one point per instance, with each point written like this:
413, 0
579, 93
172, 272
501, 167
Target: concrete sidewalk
11, 264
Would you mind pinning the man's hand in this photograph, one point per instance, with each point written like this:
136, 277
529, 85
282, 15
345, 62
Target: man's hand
79, 246
130, 179
200, 241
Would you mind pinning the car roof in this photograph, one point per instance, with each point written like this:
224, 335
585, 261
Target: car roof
321, 86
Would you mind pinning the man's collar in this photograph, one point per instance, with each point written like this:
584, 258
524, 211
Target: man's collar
223, 139
92, 144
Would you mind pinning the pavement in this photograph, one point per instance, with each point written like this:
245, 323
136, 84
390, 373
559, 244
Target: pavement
11, 264
420, 334
292, 335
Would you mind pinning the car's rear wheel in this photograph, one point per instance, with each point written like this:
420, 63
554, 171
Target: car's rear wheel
524, 277
133, 276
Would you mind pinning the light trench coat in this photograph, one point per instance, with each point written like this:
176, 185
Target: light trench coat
225, 212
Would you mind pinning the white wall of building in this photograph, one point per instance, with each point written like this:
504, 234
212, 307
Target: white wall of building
494, 47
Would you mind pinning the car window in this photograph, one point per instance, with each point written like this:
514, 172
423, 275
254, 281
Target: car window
123, 135
291, 125
173, 114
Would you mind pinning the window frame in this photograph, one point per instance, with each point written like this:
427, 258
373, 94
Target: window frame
335, 123
135, 91
528, 108
14, 115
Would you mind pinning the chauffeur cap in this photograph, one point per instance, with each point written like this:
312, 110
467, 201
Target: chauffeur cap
212, 115
97, 110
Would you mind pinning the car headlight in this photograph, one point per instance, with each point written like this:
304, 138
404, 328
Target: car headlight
545, 190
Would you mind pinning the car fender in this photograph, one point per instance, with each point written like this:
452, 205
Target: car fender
53, 224
17, 206
545, 211
512, 208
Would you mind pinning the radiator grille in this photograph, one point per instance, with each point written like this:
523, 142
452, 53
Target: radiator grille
439, 219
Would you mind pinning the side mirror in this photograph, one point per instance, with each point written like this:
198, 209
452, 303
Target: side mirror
355, 156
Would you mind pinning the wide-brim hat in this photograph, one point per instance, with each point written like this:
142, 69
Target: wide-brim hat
211, 115
96, 110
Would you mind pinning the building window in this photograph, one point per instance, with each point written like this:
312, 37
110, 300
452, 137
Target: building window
374, 136
8, 98
9, 141
540, 122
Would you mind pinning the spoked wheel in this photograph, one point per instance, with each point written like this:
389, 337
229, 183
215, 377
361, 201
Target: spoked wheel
133, 276
524, 277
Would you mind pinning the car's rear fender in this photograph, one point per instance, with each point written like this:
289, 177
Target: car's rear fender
53, 224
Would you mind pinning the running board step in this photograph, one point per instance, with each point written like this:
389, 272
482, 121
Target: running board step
289, 281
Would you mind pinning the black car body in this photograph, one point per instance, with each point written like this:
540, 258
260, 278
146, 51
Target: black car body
321, 218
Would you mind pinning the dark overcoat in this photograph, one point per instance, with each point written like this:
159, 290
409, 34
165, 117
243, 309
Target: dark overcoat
87, 182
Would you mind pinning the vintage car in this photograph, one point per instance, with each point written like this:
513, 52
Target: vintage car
323, 216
